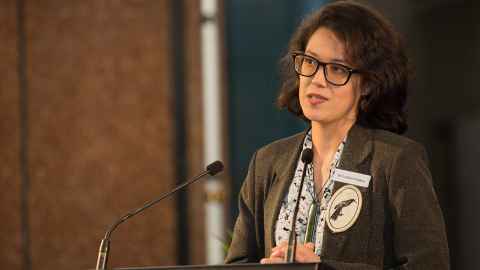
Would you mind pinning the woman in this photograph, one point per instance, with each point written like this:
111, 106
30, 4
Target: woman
367, 200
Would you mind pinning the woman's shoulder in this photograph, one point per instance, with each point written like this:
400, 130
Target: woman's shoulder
283, 145
389, 142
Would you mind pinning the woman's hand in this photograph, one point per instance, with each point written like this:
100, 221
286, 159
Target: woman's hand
305, 254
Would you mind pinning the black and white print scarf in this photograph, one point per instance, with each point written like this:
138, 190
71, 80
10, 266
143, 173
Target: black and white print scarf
308, 196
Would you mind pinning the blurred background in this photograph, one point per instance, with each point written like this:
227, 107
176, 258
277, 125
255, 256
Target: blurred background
108, 104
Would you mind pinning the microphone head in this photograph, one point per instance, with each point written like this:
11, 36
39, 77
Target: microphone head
215, 167
307, 156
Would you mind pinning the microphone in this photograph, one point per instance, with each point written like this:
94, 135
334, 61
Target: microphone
307, 157
103, 252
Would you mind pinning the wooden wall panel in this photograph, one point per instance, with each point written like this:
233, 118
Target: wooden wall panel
100, 131
10, 192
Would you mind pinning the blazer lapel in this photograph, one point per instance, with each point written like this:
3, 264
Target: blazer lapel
357, 148
354, 158
284, 171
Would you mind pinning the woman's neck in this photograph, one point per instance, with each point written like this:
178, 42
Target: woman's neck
327, 137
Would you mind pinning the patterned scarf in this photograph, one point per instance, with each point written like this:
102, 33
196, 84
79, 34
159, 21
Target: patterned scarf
307, 198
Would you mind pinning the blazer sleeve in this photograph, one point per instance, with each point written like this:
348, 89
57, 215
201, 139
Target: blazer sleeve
246, 245
419, 236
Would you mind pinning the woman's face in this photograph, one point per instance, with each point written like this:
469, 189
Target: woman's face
321, 101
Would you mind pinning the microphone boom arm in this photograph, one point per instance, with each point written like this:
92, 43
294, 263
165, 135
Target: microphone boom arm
103, 252
151, 203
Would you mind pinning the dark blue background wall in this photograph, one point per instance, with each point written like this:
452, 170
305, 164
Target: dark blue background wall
257, 33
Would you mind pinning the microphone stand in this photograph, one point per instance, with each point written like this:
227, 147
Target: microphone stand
307, 157
104, 249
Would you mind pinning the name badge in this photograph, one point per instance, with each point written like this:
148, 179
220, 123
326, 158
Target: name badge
352, 178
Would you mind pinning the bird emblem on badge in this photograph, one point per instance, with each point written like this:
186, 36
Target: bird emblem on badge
338, 208
344, 208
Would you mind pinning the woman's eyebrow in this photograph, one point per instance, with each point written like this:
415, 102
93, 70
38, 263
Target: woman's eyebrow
337, 60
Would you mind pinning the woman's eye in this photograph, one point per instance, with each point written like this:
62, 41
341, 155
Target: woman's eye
338, 69
309, 61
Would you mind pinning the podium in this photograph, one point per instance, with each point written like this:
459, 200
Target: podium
243, 266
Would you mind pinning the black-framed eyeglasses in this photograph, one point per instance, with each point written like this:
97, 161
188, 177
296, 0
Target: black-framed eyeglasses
335, 73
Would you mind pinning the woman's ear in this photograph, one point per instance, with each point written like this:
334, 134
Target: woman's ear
365, 92
365, 95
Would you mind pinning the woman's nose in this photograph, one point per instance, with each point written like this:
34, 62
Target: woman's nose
319, 77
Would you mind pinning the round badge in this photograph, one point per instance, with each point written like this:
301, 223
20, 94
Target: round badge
344, 208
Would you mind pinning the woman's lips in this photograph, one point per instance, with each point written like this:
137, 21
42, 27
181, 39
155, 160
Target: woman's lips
315, 99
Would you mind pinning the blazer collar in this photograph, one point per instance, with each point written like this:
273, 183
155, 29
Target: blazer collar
358, 147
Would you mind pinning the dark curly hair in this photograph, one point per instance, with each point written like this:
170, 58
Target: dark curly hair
372, 45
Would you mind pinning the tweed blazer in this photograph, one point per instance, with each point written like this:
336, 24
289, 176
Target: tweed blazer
400, 225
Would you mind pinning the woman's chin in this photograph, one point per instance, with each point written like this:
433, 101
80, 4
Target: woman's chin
316, 118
